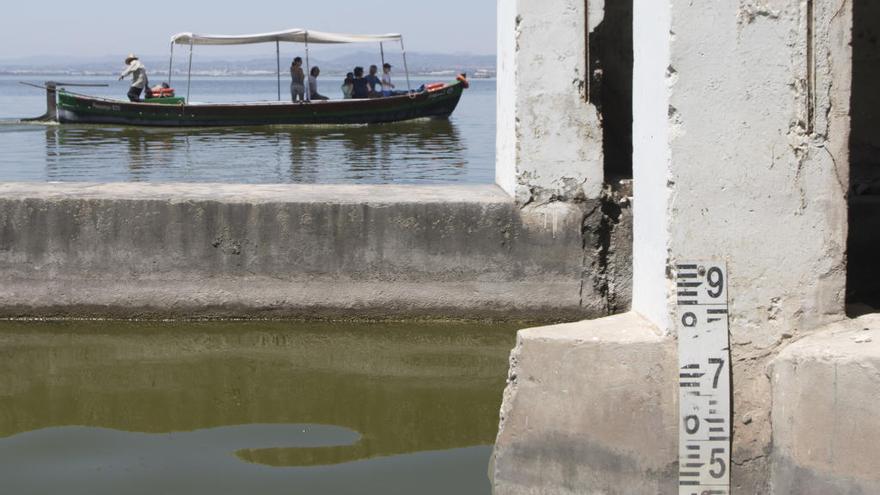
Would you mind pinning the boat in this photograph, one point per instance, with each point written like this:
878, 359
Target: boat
436, 101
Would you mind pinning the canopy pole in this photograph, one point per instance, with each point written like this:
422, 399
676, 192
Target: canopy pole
170, 64
382, 52
190, 70
308, 72
405, 67
278, 66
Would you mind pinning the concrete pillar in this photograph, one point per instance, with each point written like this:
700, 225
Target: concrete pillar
549, 142
740, 154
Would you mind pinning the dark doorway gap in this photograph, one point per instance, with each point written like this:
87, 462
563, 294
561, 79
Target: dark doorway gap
611, 68
863, 271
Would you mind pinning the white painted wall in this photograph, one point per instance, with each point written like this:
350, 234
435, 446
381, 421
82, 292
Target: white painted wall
549, 137
651, 158
506, 128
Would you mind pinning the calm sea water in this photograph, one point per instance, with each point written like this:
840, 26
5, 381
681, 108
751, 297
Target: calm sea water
460, 150
233, 408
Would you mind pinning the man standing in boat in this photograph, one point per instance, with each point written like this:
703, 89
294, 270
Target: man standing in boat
297, 80
138, 77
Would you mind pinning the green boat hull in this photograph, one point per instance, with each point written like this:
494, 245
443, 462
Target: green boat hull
81, 109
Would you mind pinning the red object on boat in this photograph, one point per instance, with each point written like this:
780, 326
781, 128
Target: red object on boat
434, 86
463, 79
163, 92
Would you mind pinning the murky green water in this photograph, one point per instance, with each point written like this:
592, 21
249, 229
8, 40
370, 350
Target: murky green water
230, 408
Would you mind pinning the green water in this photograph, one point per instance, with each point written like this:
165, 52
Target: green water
265, 408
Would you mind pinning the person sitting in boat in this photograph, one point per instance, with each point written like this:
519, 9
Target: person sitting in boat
297, 80
373, 80
348, 86
138, 77
313, 84
387, 85
361, 88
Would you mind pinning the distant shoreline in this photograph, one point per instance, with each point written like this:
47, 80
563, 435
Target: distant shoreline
474, 74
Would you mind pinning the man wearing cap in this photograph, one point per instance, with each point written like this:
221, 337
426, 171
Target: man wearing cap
138, 77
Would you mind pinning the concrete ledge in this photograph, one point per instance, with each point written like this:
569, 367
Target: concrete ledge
826, 416
590, 407
292, 250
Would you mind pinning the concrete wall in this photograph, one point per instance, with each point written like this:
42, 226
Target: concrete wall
345, 251
758, 179
549, 137
741, 133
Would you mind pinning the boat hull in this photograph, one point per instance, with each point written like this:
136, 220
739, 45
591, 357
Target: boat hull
81, 109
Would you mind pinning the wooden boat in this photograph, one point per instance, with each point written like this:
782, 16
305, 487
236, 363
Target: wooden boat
433, 101
76, 108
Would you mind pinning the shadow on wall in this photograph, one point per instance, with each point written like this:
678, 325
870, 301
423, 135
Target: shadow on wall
611, 60
864, 213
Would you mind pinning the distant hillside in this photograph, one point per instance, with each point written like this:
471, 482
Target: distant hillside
419, 64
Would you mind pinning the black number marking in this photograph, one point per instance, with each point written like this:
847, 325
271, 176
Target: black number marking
720, 363
691, 424
689, 320
722, 467
716, 281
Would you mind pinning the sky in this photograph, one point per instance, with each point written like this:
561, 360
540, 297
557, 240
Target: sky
91, 28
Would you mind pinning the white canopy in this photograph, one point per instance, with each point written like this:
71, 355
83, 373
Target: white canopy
290, 36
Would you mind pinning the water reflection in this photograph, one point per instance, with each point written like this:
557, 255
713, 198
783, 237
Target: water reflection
388, 391
422, 151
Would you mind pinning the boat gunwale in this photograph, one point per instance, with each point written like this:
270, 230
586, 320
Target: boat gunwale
348, 101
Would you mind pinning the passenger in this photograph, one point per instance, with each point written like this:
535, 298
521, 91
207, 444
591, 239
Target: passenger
373, 81
348, 86
297, 80
387, 85
138, 78
361, 88
313, 84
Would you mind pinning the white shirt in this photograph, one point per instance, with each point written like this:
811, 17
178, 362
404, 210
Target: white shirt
386, 81
139, 79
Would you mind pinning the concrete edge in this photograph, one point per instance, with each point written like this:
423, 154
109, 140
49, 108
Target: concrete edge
259, 193
825, 423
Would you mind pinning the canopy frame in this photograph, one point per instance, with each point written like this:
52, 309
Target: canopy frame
303, 36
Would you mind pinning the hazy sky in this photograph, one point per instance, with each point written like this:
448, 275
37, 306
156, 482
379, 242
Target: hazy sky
102, 27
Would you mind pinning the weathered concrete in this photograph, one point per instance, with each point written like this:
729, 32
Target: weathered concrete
745, 159
549, 142
741, 135
587, 410
287, 250
826, 413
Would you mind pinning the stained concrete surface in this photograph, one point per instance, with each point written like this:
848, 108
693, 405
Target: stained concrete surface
567, 380
826, 417
290, 250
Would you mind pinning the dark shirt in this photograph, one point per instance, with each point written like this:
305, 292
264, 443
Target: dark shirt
372, 81
360, 88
